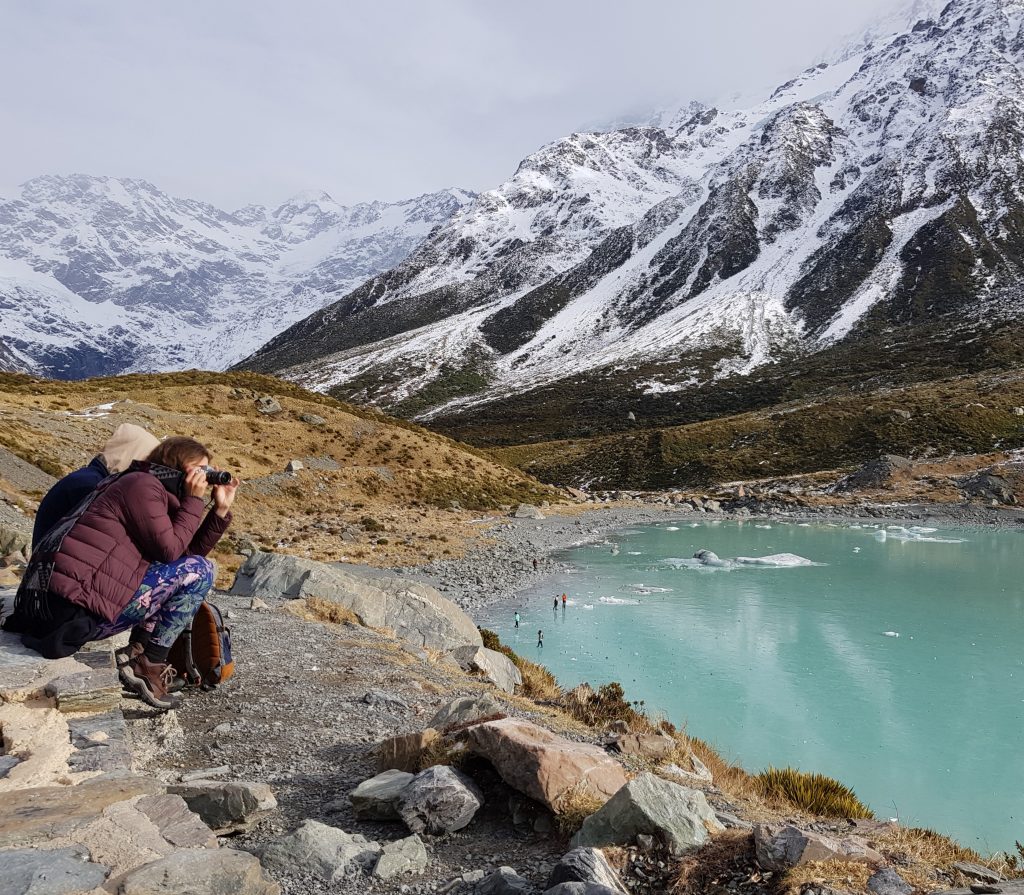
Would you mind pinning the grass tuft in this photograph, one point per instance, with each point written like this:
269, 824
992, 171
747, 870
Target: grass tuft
574, 807
815, 793
329, 611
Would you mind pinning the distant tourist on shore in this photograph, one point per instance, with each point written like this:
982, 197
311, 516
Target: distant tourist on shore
132, 556
555, 605
540, 638
129, 442
565, 601
535, 564
517, 619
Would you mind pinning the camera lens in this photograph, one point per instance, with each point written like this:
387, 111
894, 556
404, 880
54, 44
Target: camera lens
217, 476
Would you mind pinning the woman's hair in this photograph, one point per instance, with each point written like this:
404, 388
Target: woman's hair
177, 451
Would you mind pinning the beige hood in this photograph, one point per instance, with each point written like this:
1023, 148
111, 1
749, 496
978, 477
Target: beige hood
129, 442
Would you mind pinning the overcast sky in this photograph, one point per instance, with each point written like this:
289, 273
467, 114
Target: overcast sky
238, 101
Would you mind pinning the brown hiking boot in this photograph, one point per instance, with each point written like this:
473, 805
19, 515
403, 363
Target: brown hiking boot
150, 681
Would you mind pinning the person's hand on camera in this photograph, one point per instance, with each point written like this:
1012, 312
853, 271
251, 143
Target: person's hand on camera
223, 497
195, 482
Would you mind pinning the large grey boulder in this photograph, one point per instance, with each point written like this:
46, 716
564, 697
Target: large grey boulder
989, 486
226, 806
781, 846
413, 611
527, 511
36, 871
874, 474
439, 800
465, 710
495, 667
377, 798
324, 851
679, 816
223, 871
586, 865
503, 881
407, 855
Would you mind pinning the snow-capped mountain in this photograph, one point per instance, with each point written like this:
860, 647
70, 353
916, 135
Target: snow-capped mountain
881, 190
100, 275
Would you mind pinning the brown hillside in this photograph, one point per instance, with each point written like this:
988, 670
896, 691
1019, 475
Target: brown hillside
373, 489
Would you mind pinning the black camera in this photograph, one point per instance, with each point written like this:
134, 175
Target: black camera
217, 476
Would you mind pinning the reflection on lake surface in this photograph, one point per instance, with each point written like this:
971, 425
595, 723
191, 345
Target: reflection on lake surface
892, 660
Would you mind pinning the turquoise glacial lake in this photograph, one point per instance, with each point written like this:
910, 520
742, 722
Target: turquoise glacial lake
800, 665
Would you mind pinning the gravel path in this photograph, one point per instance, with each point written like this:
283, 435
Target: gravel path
294, 716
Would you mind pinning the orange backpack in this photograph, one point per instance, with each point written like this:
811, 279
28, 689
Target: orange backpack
202, 652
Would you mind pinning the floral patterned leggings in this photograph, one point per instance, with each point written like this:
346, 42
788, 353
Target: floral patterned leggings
166, 601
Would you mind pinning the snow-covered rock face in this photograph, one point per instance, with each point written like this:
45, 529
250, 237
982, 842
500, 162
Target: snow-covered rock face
100, 276
884, 189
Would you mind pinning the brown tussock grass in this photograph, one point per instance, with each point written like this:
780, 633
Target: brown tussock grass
923, 849
842, 875
328, 611
720, 858
574, 807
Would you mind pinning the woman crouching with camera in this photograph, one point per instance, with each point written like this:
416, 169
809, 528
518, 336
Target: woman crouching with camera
135, 558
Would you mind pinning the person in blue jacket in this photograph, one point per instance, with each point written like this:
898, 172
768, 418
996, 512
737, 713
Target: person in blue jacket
129, 442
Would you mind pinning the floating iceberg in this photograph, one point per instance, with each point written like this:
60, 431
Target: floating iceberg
617, 601
777, 560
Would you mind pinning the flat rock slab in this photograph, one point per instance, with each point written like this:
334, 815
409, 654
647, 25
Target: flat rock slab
676, 815
223, 871
542, 765
24, 673
1005, 887
61, 871
176, 823
99, 743
45, 812
87, 691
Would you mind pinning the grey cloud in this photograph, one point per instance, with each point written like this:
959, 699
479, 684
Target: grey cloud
237, 101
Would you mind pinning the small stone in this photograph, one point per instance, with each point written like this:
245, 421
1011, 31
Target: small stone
268, 405
403, 856
312, 419
977, 871
888, 882
226, 806
258, 605
503, 881
294, 466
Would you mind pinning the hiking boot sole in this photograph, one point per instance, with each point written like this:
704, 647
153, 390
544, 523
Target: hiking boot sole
140, 687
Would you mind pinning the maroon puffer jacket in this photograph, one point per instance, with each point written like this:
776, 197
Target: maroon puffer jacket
135, 522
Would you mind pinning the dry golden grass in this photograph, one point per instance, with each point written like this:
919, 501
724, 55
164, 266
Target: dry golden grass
574, 807
328, 611
919, 850
443, 752
386, 503
846, 876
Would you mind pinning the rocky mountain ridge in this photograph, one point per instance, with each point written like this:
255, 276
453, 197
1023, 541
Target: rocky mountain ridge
878, 193
100, 275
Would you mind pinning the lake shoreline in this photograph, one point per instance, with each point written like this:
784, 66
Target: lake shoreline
498, 571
